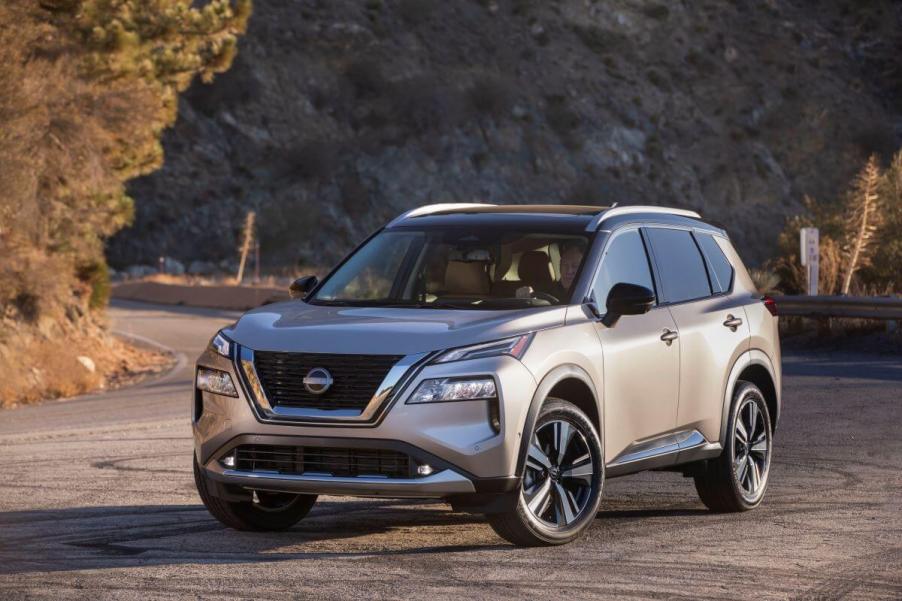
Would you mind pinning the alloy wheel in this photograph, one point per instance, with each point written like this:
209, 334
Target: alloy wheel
557, 484
751, 450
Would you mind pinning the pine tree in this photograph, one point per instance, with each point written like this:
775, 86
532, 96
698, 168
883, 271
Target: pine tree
86, 89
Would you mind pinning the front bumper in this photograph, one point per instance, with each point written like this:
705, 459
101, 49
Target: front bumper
455, 438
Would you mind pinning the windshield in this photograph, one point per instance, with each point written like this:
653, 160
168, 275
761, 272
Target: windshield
485, 268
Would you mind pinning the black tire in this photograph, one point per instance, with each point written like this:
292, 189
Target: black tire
521, 526
274, 511
719, 485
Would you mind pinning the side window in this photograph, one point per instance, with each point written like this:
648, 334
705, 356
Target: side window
681, 266
624, 261
720, 265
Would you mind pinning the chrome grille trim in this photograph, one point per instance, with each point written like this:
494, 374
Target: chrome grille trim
250, 380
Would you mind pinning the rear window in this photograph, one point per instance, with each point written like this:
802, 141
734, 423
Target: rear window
722, 277
681, 266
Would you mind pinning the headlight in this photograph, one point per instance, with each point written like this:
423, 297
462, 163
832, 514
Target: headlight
215, 381
450, 389
515, 347
221, 345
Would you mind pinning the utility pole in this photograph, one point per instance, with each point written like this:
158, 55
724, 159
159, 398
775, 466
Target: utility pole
256, 261
247, 236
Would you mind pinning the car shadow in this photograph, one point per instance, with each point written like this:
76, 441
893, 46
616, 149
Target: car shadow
86, 538
650, 513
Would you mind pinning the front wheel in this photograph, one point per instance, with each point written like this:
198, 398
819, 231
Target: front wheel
736, 480
561, 481
264, 512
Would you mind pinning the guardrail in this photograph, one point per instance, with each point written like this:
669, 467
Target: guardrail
864, 307
234, 298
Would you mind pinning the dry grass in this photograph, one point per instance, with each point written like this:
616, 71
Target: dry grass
44, 369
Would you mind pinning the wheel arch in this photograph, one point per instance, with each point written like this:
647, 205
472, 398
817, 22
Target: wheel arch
756, 367
569, 382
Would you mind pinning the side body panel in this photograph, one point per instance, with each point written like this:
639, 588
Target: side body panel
763, 327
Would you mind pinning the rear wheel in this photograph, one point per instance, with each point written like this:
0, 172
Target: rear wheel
561, 482
265, 511
737, 480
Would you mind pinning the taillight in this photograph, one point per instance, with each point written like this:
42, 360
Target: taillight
770, 304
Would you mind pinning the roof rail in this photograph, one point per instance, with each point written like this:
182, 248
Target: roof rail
628, 210
436, 208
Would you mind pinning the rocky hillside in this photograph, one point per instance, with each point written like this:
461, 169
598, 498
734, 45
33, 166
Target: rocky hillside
339, 114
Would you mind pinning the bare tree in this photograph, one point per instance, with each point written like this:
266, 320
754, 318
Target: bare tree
862, 219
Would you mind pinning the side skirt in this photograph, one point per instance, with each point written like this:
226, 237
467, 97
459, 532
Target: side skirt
663, 452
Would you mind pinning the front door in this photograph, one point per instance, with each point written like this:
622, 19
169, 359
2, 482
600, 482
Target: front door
641, 369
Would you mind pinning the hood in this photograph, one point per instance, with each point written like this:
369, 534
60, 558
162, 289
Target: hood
295, 326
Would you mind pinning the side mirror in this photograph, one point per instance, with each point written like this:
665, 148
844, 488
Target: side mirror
302, 286
627, 299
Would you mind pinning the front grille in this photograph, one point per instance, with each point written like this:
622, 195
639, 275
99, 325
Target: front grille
324, 460
356, 378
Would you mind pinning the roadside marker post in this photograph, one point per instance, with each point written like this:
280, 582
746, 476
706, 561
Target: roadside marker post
809, 238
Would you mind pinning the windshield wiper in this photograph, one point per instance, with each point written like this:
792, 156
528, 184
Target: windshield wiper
426, 306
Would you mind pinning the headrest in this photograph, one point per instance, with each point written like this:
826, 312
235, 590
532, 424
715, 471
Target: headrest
535, 268
465, 278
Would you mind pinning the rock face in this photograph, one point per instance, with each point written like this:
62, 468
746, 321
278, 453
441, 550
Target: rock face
339, 114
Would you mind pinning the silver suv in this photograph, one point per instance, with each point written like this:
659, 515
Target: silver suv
507, 359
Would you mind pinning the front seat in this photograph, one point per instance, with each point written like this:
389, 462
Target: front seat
465, 279
535, 270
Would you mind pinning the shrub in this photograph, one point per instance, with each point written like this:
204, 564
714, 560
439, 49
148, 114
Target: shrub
424, 104
415, 12
563, 120
658, 12
491, 96
97, 276
365, 76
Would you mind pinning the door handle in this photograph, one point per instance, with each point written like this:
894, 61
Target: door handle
732, 322
669, 336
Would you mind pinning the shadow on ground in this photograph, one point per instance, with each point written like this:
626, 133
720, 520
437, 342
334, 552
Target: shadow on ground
123, 536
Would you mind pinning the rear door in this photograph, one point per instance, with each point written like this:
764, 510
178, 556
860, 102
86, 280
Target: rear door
696, 281
641, 371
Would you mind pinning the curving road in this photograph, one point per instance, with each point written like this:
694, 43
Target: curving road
97, 501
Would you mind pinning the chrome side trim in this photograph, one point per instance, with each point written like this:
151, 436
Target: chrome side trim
615, 211
247, 373
439, 484
663, 451
435, 208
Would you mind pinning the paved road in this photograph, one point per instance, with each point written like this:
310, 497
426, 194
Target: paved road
97, 501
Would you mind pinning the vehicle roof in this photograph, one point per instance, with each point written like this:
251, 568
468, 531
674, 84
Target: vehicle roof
527, 209
514, 221
547, 217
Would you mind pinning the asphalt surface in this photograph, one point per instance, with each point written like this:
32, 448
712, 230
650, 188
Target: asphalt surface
97, 501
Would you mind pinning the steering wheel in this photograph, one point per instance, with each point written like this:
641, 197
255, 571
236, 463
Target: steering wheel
546, 297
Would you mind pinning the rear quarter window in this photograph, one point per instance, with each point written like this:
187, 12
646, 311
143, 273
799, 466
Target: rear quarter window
723, 272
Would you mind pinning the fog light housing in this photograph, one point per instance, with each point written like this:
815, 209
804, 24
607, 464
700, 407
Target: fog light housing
440, 390
229, 460
215, 381
495, 416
